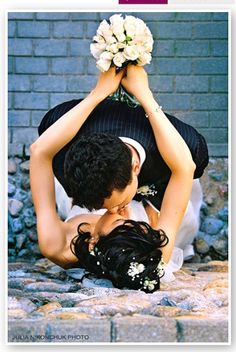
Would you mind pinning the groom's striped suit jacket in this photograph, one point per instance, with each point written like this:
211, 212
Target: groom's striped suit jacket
121, 120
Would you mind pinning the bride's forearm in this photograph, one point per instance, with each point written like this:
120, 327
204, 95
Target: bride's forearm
65, 128
171, 145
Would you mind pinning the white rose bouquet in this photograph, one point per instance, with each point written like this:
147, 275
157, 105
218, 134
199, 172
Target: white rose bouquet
122, 41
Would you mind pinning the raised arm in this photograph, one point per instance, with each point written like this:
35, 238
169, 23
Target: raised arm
51, 230
173, 150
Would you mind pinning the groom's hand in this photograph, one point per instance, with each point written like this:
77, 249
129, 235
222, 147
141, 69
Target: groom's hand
108, 82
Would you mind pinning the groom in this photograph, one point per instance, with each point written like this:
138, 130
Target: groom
114, 157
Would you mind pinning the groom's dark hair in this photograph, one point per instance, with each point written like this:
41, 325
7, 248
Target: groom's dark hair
95, 166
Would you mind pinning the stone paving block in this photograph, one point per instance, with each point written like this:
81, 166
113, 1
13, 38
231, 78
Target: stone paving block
11, 28
195, 118
83, 16
210, 30
91, 67
24, 135
210, 101
15, 149
28, 29
143, 329
155, 16
36, 117
84, 330
220, 16
68, 29
192, 84
161, 83
218, 149
46, 83
21, 15
175, 102
210, 66
50, 47
193, 16
163, 48
32, 101
215, 134
219, 84
91, 29
172, 31
58, 98
202, 330
170, 66
26, 330
52, 16
20, 47
81, 84
10, 100
19, 118
80, 47
10, 64
18, 83
192, 48
219, 47
31, 65
218, 118
68, 66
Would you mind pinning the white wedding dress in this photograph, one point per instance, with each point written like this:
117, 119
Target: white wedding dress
183, 248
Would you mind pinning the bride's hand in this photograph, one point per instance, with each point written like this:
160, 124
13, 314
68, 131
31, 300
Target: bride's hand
136, 83
108, 82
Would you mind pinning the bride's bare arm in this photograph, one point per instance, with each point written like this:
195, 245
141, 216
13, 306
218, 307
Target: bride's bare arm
174, 151
52, 231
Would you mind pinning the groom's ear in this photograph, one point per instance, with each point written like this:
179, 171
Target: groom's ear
135, 167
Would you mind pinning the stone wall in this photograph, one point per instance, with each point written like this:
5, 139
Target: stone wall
50, 62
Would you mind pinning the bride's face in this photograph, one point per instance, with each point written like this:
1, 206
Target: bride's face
107, 222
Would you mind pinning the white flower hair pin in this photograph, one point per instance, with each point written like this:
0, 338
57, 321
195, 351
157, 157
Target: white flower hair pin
136, 268
120, 41
147, 190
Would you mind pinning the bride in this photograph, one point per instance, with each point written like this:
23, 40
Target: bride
134, 246
137, 211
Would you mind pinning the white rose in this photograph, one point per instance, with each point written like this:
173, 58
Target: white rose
140, 26
113, 48
116, 20
120, 36
147, 31
148, 46
99, 39
103, 65
111, 40
121, 45
130, 26
96, 49
104, 30
119, 59
144, 59
106, 55
131, 52
117, 24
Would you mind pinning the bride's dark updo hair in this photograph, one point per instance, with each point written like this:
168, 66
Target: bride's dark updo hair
129, 256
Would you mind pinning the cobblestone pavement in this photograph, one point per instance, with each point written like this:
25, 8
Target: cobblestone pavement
50, 304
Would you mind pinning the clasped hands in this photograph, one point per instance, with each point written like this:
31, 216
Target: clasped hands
133, 78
